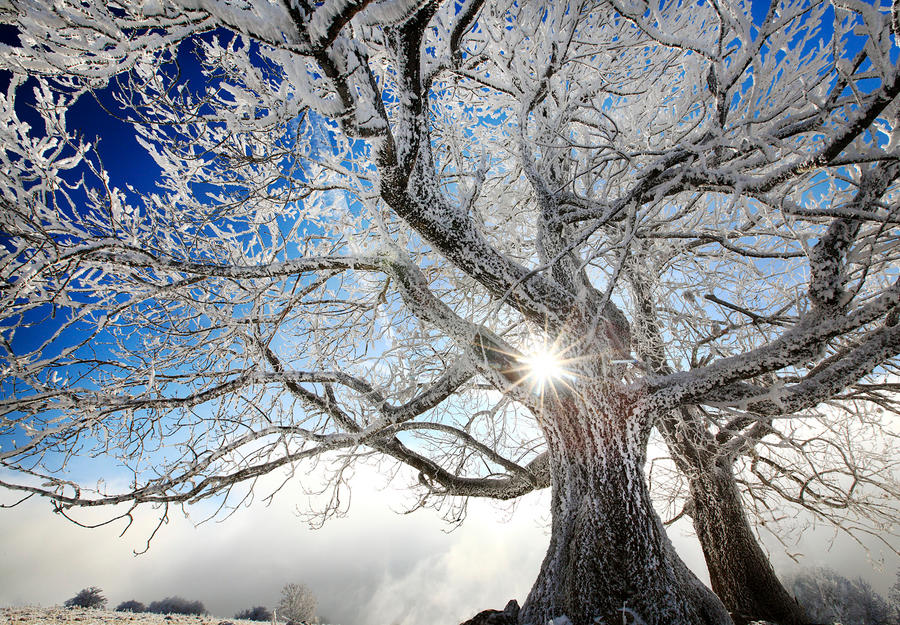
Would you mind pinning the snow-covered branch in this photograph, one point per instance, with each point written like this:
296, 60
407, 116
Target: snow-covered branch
488, 242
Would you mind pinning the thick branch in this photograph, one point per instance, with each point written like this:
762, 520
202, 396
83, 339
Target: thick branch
794, 345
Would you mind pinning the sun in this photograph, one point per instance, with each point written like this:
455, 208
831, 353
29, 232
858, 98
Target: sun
544, 366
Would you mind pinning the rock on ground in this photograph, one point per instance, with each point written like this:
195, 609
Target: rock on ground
508, 616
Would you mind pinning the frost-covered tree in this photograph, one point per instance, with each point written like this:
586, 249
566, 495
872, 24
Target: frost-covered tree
91, 597
496, 243
894, 597
830, 597
820, 466
256, 613
298, 603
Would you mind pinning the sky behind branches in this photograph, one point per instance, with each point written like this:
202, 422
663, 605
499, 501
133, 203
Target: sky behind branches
373, 568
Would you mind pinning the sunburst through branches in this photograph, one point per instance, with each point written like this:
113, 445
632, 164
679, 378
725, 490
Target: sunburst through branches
545, 367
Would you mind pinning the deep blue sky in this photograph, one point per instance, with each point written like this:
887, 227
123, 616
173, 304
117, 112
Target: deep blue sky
126, 161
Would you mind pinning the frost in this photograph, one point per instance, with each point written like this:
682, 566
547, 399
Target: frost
360, 214
150, 8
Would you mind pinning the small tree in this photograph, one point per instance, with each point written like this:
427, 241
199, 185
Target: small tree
829, 597
176, 605
87, 598
257, 613
298, 603
131, 606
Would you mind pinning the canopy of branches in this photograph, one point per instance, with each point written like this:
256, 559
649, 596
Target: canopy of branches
364, 216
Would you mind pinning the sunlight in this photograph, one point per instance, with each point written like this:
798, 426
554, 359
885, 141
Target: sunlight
544, 367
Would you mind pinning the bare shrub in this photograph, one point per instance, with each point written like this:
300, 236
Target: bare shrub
176, 605
91, 597
256, 613
298, 603
131, 606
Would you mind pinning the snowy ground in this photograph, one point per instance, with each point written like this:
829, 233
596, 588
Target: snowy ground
81, 616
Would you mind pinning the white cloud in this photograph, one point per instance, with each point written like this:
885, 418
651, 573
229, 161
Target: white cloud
374, 567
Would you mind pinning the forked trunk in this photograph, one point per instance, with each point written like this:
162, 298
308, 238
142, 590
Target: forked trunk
608, 552
739, 571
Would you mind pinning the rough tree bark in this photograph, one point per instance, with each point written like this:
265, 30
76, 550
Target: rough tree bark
739, 571
608, 553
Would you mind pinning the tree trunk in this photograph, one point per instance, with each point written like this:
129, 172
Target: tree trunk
739, 571
608, 551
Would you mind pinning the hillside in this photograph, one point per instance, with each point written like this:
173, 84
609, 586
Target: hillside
82, 616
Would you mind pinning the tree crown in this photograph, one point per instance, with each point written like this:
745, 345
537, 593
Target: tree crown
367, 213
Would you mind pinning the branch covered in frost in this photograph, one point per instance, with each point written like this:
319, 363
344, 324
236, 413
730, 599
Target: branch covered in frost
359, 218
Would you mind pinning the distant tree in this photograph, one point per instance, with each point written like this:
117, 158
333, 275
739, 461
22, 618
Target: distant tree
829, 597
298, 603
176, 605
257, 613
131, 606
88, 598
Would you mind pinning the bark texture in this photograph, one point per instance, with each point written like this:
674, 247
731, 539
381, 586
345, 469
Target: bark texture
609, 553
739, 571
